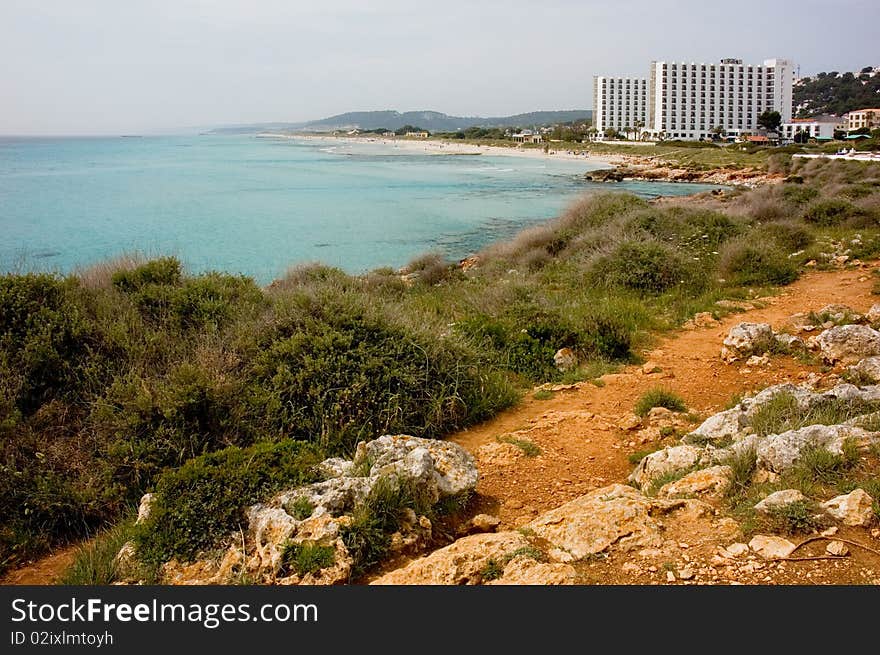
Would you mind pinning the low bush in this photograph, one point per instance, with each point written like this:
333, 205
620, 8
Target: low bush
787, 236
746, 262
201, 502
646, 266
831, 212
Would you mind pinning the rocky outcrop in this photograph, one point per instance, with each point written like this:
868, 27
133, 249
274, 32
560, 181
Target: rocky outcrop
847, 343
669, 460
867, 369
314, 515
854, 508
591, 523
745, 339
709, 481
524, 570
466, 561
719, 427
779, 499
779, 452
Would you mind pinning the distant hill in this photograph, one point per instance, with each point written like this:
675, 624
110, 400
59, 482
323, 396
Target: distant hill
837, 93
433, 121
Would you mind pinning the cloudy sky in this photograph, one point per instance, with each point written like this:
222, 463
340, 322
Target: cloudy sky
111, 66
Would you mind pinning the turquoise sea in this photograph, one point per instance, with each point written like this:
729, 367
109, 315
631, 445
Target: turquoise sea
257, 206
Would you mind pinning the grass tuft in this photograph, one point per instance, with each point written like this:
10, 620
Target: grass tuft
659, 397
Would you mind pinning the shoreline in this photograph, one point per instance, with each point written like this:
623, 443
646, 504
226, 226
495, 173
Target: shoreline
616, 167
445, 147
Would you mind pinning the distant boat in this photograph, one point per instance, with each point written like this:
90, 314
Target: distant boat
130, 136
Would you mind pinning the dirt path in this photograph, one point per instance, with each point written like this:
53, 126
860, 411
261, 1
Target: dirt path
579, 431
45, 571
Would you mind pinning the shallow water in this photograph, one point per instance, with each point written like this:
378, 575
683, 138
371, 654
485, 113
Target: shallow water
256, 206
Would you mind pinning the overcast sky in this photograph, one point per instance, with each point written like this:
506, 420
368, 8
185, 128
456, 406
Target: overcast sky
126, 66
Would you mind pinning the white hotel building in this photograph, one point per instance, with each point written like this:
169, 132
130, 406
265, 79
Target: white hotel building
686, 101
619, 102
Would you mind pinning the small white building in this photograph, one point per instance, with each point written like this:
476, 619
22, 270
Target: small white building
815, 128
527, 136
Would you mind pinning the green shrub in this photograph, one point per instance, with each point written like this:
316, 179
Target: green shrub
743, 464
798, 517
301, 508
659, 397
147, 425
492, 570
799, 194
368, 536
338, 375
307, 557
645, 266
745, 262
831, 212
201, 502
160, 291
44, 338
165, 271
787, 236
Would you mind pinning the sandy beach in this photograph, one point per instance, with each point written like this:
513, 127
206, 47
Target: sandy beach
441, 147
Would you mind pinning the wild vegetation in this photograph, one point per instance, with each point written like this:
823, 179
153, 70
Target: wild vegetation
135, 376
836, 93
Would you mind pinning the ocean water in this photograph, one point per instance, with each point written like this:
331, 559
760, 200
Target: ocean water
257, 206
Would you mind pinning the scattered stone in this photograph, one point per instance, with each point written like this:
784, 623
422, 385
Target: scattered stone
800, 322
670, 576
737, 549
755, 360
854, 508
746, 339
565, 359
713, 480
837, 548
779, 499
660, 415
829, 532
770, 547
687, 573
630, 422
847, 343
701, 320
790, 342
873, 314
484, 523
650, 367
496, 453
